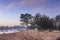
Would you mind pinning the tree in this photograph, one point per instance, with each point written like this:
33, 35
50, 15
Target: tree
57, 18
35, 18
26, 18
44, 22
57, 22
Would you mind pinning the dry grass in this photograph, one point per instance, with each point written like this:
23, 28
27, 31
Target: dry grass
30, 35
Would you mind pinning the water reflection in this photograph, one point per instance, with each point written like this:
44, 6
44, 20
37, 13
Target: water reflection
11, 29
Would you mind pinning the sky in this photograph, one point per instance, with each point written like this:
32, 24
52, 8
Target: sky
10, 10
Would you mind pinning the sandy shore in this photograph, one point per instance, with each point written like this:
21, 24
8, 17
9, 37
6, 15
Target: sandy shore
30, 35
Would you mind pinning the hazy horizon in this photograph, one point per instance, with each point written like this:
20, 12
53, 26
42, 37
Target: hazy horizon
10, 10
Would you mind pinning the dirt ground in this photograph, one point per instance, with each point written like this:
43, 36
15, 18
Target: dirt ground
31, 35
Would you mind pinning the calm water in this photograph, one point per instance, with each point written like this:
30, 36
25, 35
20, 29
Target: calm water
11, 29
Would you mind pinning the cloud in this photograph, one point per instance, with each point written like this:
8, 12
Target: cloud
31, 2
39, 9
10, 6
25, 2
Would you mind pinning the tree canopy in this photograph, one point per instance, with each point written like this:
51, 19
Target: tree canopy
41, 22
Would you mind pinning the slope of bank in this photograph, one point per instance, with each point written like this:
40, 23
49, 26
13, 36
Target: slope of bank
30, 35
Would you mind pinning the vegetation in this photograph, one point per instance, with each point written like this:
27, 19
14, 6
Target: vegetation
57, 18
31, 35
25, 18
41, 22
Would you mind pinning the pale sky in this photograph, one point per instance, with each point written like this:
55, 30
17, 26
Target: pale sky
10, 10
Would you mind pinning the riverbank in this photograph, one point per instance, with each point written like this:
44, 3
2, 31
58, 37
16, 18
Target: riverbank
30, 35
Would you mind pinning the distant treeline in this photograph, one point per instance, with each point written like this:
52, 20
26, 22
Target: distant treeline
11, 28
